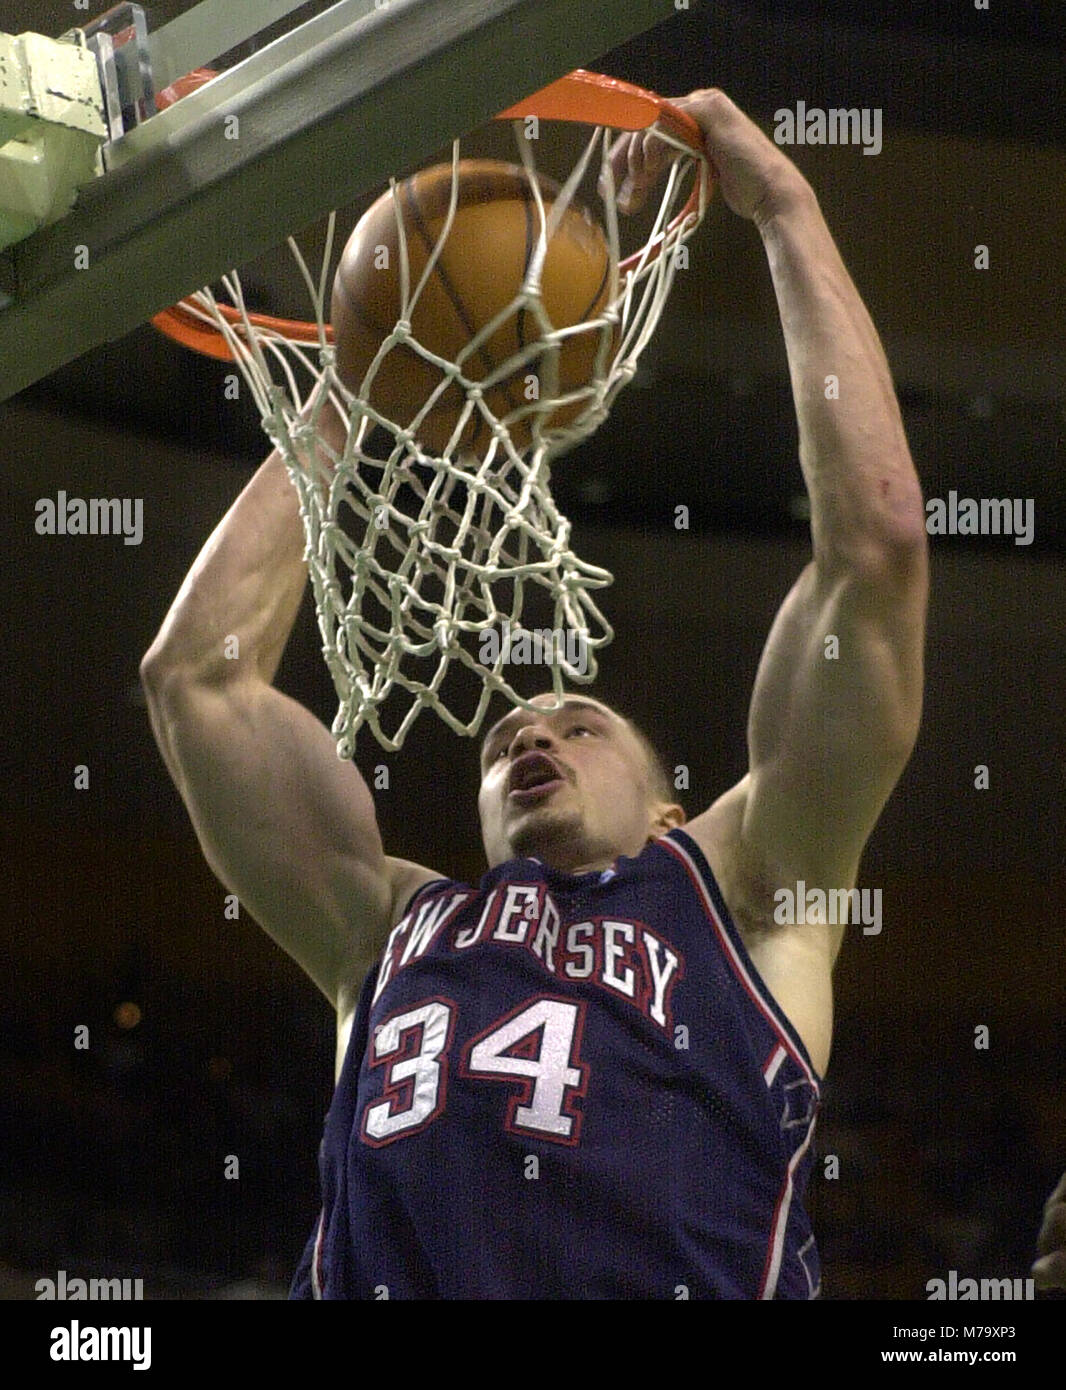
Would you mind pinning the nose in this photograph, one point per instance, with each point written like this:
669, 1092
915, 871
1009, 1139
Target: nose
530, 737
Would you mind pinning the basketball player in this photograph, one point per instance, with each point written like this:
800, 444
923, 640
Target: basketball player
594, 1074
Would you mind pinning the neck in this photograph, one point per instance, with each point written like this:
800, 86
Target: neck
569, 858
593, 868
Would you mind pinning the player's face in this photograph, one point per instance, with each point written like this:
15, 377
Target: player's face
569, 786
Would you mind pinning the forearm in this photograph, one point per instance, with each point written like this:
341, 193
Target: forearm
863, 488
244, 589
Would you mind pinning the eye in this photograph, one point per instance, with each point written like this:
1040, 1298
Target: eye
579, 729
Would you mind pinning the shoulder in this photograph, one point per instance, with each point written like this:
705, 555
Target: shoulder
406, 878
748, 873
403, 880
745, 879
795, 962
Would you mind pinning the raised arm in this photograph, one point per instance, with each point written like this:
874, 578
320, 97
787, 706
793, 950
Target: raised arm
282, 821
837, 699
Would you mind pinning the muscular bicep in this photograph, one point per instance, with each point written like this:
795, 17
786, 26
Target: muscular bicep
834, 715
283, 822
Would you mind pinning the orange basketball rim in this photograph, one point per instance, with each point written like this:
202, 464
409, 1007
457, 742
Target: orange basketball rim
585, 98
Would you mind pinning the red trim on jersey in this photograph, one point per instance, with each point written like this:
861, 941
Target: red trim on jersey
779, 1224
739, 969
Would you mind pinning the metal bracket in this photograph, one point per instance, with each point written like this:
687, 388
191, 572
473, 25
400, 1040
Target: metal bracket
119, 39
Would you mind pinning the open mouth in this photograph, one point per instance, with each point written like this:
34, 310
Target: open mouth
533, 777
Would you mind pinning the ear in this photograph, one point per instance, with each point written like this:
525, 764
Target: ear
666, 816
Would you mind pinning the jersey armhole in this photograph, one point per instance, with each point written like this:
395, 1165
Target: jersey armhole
742, 963
422, 887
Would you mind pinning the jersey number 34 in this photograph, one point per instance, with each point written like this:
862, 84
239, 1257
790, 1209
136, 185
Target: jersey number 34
535, 1047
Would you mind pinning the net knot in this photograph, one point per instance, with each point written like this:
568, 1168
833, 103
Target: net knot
444, 630
333, 596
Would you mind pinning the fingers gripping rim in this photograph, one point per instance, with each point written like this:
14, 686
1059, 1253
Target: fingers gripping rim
592, 98
587, 98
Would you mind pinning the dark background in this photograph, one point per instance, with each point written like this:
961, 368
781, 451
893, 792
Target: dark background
113, 1157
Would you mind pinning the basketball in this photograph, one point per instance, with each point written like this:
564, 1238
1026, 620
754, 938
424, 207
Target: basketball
479, 273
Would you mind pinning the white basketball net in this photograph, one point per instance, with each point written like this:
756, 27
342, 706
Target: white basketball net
420, 560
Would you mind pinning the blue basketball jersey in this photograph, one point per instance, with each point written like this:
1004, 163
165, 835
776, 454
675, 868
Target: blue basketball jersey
568, 1086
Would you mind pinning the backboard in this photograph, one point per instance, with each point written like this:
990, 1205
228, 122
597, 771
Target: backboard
315, 103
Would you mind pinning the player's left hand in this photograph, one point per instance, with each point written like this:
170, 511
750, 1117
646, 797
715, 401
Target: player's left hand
1049, 1271
756, 177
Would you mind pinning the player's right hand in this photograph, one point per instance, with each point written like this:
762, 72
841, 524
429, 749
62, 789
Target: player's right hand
756, 177
1049, 1271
